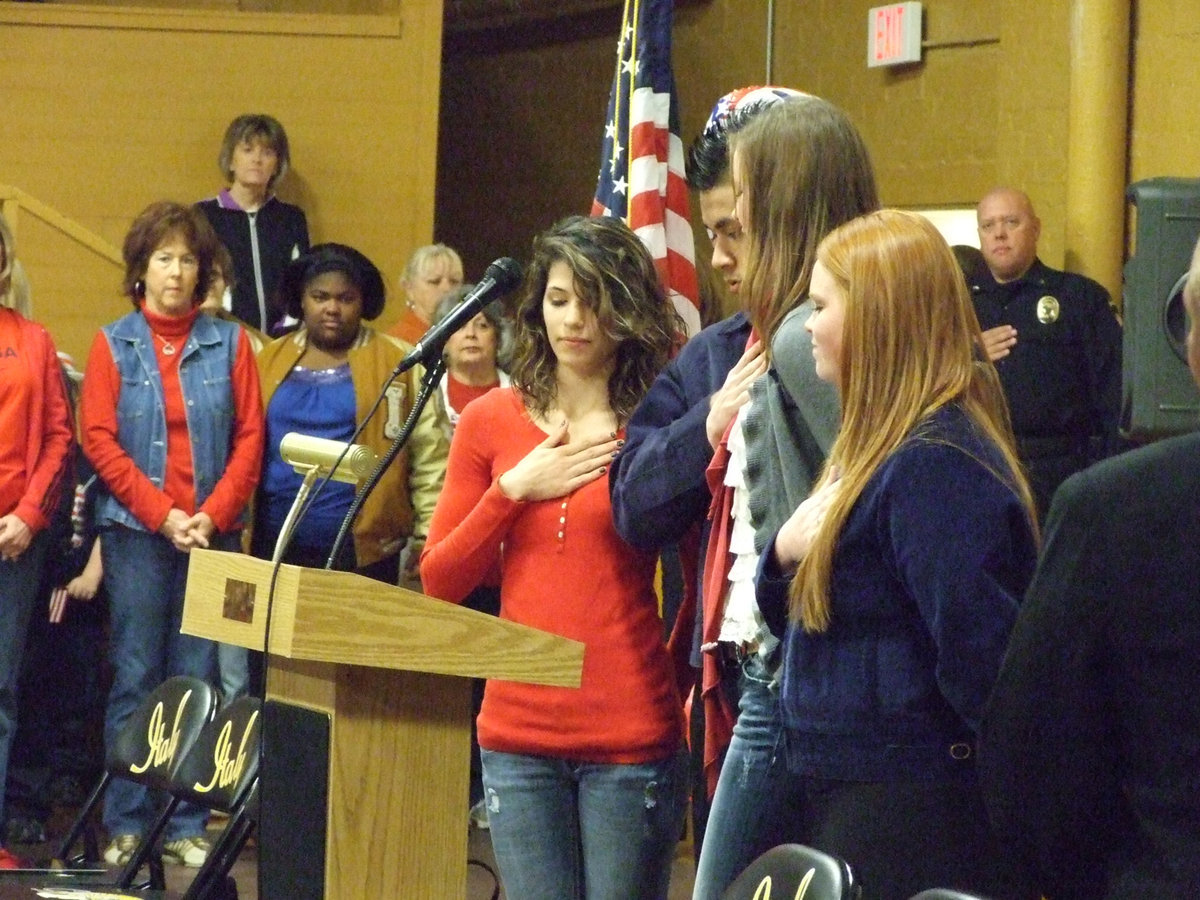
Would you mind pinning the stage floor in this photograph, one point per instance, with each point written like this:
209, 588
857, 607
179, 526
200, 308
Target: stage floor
245, 872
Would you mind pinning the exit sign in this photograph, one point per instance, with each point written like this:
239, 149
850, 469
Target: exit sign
894, 34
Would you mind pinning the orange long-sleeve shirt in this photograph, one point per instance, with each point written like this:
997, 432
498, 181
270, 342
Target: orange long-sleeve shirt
565, 570
35, 421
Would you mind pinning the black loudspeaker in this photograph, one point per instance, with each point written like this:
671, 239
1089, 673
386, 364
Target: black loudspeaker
1159, 396
293, 802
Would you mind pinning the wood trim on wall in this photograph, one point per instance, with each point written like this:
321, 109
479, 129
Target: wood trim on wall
14, 201
204, 20
111, 108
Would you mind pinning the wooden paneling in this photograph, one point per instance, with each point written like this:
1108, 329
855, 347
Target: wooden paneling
987, 105
104, 122
109, 109
523, 115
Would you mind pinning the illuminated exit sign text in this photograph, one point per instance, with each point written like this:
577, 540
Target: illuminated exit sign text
894, 34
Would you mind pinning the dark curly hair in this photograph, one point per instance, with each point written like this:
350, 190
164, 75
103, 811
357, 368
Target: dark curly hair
359, 270
156, 224
615, 276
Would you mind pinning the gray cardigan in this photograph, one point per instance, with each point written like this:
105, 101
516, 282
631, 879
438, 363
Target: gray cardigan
790, 426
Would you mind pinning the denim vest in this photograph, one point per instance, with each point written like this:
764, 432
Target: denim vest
205, 379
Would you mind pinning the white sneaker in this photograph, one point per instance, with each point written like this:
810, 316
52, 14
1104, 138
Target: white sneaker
121, 849
478, 816
187, 851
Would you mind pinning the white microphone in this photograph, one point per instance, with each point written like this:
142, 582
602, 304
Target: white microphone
307, 454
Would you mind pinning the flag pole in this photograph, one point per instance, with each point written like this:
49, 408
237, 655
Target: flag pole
770, 42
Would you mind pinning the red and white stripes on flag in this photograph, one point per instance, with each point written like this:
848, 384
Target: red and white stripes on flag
641, 176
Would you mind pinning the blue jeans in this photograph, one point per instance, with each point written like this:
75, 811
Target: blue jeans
755, 805
564, 830
233, 663
19, 582
145, 577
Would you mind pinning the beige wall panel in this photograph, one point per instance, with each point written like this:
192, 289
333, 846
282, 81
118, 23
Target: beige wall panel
108, 119
928, 125
1165, 81
987, 105
717, 47
1034, 92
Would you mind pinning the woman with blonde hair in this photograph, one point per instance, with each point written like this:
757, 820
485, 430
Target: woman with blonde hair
903, 570
432, 272
800, 169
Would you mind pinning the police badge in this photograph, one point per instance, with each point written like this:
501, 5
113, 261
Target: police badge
1048, 310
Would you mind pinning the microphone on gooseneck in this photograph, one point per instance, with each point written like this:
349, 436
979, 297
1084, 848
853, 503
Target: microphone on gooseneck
501, 277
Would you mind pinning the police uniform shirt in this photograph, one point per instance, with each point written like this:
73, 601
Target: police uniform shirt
1063, 376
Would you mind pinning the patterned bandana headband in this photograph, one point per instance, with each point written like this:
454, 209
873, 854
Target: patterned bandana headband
745, 98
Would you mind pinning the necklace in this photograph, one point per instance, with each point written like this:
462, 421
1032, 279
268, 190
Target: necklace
168, 346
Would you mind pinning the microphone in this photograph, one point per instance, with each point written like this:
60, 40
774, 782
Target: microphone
307, 454
501, 277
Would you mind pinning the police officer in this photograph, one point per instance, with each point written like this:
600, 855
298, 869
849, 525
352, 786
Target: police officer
1055, 341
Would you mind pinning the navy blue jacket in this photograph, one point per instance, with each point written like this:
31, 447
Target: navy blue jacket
657, 482
927, 574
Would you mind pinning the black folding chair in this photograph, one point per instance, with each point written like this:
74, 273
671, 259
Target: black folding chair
213, 882
221, 772
152, 743
794, 870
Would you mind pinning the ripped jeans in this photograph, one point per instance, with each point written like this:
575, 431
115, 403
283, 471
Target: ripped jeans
757, 804
565, 830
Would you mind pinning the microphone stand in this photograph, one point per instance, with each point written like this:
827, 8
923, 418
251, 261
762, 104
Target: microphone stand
429, 384
293, 515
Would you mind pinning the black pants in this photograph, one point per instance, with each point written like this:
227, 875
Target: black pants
904, 837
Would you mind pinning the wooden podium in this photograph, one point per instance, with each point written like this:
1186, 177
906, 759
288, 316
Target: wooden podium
389, 667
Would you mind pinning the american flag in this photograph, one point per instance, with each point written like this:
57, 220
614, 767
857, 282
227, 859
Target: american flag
641, 164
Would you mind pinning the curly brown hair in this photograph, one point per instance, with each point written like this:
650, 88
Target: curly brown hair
615, 275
